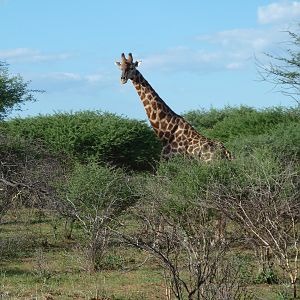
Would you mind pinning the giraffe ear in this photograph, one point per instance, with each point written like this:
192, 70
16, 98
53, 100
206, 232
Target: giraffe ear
118, 64
137, 63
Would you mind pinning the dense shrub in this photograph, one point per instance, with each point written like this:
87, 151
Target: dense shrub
106, 137
96, 196
202, 119
245, 130
226, 124
257, 192
183, 184
93, 188
132, 144
180, 224
28, 173
186, 182
190, 179
179, 207
283, 140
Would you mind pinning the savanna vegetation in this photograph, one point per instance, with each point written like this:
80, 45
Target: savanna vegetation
89, 211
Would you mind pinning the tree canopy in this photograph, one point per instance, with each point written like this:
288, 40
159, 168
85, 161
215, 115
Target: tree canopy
14, 91
284, 70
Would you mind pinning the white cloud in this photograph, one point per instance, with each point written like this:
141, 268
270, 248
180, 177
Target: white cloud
232, 49
199, 61
94, 78
183, 58
62, 76
27, 55
278, 12
225, 50
69, 76
248, 39
70, 81
234, 66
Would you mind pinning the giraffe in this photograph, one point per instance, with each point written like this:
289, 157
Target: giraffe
176, 134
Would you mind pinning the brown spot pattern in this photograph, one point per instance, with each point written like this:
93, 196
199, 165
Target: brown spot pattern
176, 133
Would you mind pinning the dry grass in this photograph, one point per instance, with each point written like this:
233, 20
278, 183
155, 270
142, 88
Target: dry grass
39, 263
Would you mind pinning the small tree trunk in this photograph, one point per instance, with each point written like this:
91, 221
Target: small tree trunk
294, 289
69, 228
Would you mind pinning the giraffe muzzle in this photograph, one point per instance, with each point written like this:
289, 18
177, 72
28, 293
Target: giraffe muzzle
123, 79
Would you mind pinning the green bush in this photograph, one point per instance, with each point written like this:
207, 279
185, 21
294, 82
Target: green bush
205, 120
283, 140
132, 144
184, 182
245, 130
229, 123
95, 189
96, 196
268, 276
106, 137
181, 184
113, 262
189, 177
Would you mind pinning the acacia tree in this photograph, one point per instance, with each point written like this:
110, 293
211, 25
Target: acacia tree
284, 70
28, 173
96, 196
14, 91
264, 201
176, 226
17, 162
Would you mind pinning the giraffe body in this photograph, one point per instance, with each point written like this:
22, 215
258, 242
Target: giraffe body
175, 133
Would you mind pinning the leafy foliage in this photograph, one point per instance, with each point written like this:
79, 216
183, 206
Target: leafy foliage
105, 137
132, 144
284, 140
93, 188
187, 195
230, 123
283, 71
14, 91
97, 196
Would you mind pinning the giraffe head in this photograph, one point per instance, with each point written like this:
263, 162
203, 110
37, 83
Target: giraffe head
128, 67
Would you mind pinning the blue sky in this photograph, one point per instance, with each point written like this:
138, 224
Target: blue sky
196, 54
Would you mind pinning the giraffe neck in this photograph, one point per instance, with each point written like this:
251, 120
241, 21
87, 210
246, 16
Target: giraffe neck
159, 113
177, 135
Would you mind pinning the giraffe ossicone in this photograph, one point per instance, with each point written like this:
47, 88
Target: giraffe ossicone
176, 134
